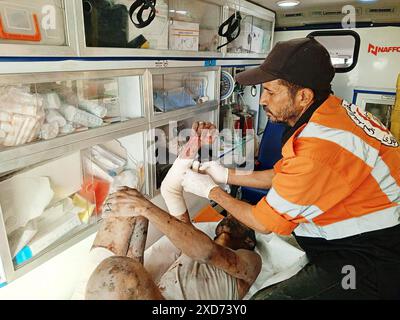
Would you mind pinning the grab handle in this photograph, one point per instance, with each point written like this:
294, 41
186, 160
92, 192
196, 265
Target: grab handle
23, 37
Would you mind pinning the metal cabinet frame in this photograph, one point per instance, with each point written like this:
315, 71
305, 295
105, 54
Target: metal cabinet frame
16, 158
76, 42
190, 110
245, 7
131, 52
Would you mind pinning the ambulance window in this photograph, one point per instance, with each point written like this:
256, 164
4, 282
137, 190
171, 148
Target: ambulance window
343, 46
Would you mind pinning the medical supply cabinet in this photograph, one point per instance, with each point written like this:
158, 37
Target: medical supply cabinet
80, 116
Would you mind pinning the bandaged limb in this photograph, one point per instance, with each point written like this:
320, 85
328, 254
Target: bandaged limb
198, 184
138, 240
214, 169
171, 188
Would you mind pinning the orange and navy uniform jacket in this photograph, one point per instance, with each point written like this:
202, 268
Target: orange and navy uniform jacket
339, 177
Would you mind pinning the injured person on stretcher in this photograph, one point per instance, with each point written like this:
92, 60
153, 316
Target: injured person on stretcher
205, 270
220, 269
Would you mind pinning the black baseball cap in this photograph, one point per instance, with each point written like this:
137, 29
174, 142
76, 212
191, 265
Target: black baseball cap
302, 61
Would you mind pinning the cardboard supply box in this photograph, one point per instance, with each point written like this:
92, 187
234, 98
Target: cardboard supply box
184, 36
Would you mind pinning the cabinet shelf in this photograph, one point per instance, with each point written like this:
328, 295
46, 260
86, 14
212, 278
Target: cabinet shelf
55, 249
179, 115
26, 155
110, 33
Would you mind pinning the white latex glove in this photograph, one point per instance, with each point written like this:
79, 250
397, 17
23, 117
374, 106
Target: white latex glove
198, 184
171, 187
214, 169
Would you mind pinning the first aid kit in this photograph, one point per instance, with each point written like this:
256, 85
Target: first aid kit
32, 22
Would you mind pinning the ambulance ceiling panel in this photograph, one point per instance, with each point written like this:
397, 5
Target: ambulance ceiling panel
271, 4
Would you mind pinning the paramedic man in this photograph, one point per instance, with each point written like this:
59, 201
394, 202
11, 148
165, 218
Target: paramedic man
336, 187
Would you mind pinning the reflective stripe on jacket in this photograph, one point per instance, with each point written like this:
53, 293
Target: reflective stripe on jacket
339, 177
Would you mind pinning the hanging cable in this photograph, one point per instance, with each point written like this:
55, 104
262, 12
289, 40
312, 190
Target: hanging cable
141, 6
230, 29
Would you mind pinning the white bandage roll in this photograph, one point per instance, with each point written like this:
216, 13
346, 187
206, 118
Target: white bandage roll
51, 101
203, 99
93, 108
67, 129
81, 117
22, 96
49, 131
55, 116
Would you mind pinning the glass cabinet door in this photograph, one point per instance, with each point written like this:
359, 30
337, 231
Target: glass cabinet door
48, 204
201, 17
173, 91
44, 24
238, 114
255, 36
38, 111
178, 25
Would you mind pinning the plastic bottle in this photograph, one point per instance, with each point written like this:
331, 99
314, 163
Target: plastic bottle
55, 116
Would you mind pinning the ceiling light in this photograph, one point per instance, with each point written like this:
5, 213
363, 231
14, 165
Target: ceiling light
288, 3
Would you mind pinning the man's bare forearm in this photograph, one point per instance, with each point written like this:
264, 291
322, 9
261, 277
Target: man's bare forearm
253, 179
184, 236
242, 211
138, 239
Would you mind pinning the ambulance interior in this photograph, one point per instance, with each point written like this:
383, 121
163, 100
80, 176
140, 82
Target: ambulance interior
83, 126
